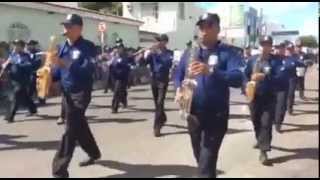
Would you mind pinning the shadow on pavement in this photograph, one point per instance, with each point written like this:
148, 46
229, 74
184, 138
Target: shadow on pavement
301, 127
299, 153
48, 104
230, 130
152, 110
149, 98
298, 112
95, 106
103, 95
312, 90
138, 90
46, 117
176, 126
115, 120
306, 102
239, 116
232, 103
18, 145
174, 133
234, 131
148, 170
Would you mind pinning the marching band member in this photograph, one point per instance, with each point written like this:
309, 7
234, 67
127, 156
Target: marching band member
215, 69
74, 68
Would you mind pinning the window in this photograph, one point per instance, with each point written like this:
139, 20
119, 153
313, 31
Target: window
150, 10
181, 9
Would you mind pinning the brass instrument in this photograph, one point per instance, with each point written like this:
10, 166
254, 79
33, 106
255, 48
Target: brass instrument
4, 68
153, 47
184, 94
44, 78
252, 85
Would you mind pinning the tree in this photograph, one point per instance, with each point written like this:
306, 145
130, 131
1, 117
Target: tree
308, 41
114, 8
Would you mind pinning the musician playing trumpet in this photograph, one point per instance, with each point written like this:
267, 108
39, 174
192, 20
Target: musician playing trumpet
160, 58
215, 67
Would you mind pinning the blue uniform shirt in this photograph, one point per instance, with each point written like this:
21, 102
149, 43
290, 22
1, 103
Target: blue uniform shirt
35, 59
120, 68
273, 79
21, 67
212, 91
160, 64
78, 58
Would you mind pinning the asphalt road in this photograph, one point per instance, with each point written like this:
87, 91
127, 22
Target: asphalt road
129, 149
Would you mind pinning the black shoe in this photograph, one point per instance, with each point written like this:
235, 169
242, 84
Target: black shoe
256, 146
114, 111
88, 162
156, 132
264, 158
42, 101
278, 128
62, 175
290, 112
9, 121
60, 121
125, 105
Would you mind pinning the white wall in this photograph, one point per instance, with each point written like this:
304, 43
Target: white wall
69, 4
43, 25
179, 31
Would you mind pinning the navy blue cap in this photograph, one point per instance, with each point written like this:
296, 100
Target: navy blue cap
290, 45
119, 40
32, 42
209, 18
265, 39
162, 37
282, 45
119, 45
19, 42
73, 19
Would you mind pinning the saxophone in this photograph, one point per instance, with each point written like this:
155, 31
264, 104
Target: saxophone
188, 85
252, 85
44, 78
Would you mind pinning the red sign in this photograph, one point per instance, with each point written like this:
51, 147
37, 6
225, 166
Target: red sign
102, 27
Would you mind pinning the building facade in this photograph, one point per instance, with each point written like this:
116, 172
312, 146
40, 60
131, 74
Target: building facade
239, 24
38, 20
176, 19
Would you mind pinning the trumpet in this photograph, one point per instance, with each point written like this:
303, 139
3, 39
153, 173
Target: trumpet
5, 65
44, 78
151, 48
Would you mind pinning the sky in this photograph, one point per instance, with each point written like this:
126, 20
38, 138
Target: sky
302, 16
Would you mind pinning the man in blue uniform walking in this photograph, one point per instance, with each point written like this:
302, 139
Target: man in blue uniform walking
20, 69
160, 59
293, 81
263, 70
120, 70
215, 69
36, 64
74, 68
